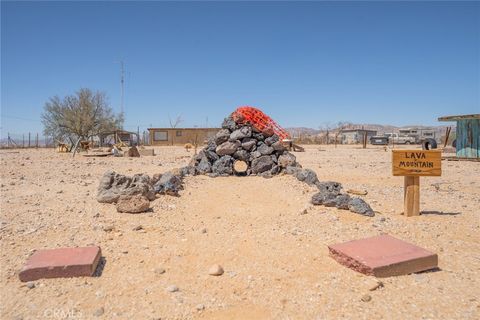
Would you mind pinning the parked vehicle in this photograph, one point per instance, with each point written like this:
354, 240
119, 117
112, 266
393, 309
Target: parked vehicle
420, 134
379, 140
401, 139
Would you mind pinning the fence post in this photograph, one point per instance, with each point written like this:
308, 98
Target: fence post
138, 135
36, 141
29, 139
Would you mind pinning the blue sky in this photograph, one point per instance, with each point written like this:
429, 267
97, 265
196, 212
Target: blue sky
303, 63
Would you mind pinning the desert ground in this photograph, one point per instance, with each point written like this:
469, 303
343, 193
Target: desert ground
271, 242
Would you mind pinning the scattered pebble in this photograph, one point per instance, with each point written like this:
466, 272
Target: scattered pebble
108, 228
215, 270
99, 312
376, 285
172, 288
137, 228
204, 230
366, 298
200, 307
30, 285
159, 270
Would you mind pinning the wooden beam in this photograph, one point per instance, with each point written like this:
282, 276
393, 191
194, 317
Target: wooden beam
411, 200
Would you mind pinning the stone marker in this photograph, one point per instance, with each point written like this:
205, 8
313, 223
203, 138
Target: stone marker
61, 263
383, 256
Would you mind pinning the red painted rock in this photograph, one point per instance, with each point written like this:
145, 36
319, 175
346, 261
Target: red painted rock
383, 256
61, 263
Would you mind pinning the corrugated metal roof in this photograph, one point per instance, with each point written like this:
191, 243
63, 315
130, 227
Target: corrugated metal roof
460, 117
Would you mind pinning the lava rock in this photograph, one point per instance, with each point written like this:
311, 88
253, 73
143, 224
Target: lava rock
359, 206
287, 159
258, 136
241, 155
223, 166
329, 186
227, 148
248, 143
113, 185
211, 145
243, 132
268, 132
308, 176
254, 155
340, 201
264, 149
278, 146
275, 170
133, 204
204, 166
290, 169
211, 155
169, 183
320, 198
261, 164
185, 171
274, 158
222, 136
271, 140
229, 123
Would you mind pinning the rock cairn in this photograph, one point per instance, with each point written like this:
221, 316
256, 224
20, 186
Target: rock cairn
240, 148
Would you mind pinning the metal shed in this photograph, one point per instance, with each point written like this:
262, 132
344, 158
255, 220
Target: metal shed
468, 134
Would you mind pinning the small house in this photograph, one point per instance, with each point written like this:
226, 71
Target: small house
352, 136
467, 134
180, 136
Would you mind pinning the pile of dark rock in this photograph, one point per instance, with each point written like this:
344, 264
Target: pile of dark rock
260, 152
330, 195
133, 194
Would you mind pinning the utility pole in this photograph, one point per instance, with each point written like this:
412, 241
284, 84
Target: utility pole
122, 88
122, 82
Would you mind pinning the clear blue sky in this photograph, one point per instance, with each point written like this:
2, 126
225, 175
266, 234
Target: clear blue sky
303, 63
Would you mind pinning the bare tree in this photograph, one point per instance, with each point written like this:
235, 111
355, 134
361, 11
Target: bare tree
341, 125
176, 122
326, 128
79, 116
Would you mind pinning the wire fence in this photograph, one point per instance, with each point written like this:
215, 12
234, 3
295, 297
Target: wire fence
27, 140
38, 140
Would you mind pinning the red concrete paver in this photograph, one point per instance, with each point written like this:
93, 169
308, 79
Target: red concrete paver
61, 263
383, 256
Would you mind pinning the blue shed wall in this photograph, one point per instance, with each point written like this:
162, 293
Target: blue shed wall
468, 138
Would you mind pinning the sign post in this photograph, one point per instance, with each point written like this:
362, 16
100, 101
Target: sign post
412, 164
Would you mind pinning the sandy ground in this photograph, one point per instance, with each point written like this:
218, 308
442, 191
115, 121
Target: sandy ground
275, 258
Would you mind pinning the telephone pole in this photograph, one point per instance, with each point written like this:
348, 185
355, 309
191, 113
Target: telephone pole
122, 83
122, 88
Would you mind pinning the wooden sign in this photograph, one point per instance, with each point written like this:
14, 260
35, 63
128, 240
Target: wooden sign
413, 164
416, 163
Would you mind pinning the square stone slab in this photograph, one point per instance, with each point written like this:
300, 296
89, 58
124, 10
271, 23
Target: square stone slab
383, 256
61, 263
